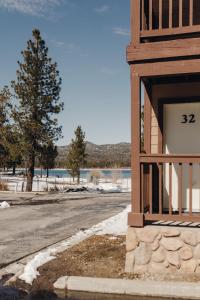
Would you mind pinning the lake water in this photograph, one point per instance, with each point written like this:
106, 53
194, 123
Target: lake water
124, 173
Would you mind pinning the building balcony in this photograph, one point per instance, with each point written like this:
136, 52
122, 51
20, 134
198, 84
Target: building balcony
160, 19
159, 29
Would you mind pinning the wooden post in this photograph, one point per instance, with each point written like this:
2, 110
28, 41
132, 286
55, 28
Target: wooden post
135, 21
136, 218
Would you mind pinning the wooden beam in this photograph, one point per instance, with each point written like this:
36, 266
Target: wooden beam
167, 49
169, 31
165, 158
168, 68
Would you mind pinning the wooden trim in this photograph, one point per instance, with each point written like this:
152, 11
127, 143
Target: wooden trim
175, 218
168, 68
136, 220
163, 50
169, 31
172, 158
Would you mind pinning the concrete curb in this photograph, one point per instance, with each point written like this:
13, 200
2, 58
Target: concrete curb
184, 290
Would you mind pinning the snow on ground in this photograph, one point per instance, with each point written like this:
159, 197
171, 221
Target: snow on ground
4, 205
30, 270
116, 225
18, 184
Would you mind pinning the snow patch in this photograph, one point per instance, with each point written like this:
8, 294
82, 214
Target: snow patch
4, 205
116, 225
30, 270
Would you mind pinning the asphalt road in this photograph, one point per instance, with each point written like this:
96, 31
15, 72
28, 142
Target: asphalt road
31, 225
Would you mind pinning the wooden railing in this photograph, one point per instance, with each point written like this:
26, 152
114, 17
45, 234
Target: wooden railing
170, 187
169, 17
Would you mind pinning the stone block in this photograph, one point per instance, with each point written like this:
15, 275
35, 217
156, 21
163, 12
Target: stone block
159, 255
131, 239
185, 253
174, 259
188, 266
140, 269
130, 260
189, 238
156, 268
155, 245
147, 235
143, 254
197, 252
171, 244
172, 232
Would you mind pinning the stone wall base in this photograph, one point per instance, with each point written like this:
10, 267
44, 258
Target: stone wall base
163, 250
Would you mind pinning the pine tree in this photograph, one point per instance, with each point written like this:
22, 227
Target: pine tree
5, 108
37, 88
47, 157
76, 158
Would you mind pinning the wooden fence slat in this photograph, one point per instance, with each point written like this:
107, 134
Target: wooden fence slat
160, 188
160, 14
170, 13
180, 188
150, 189
180, 13
190, 187
170, 188
142, 188
191, 12
142, 12
150, 14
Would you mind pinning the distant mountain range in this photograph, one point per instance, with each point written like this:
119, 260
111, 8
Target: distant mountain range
108, 155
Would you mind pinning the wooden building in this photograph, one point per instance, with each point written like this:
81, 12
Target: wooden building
164, 58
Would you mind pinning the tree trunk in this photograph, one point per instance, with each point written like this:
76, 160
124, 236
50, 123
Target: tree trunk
30, 173
14, 168
41, 172
78, 177
47, 172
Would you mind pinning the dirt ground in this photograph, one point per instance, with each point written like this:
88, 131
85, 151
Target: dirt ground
98, 256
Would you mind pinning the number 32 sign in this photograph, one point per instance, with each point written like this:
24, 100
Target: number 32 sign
188, 119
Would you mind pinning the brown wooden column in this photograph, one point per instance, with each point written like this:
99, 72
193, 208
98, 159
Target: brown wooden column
135, 218
135, 21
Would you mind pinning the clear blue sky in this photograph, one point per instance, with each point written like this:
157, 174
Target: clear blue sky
87, 38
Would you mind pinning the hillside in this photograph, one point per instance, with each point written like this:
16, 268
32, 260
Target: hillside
107, 155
